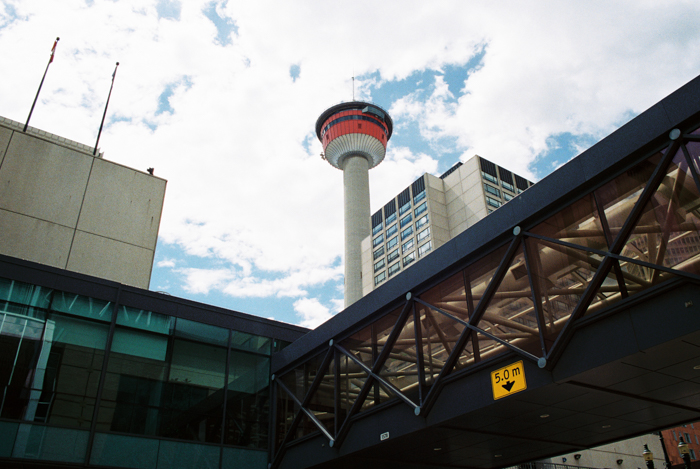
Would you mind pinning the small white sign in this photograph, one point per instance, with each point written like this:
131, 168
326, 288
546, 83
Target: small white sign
383, 436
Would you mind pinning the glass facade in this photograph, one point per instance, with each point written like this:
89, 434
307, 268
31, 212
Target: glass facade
94, 382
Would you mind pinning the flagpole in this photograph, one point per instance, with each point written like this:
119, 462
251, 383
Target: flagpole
105, 113
53, 51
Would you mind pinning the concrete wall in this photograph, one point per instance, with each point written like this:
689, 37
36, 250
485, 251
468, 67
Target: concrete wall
63, 207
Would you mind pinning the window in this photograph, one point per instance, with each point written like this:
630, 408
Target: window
391, 230
378, 253
508, 186
421, 208
692, 454
420, 196
424, 249
379, 278
408, 259
392, 242
378, 240
393, 269
407, 232
423, 234
493, 202
490, 178
390, 219
392, 255
406, 220
404, 208
405, 247
421, 221
379, 265
507, 196
376, 229
492, 190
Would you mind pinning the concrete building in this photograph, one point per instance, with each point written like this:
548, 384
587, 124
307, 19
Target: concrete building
432, 211
354, 137
95, 370
62, 206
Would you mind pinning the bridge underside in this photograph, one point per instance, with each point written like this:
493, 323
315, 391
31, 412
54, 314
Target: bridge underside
632, 372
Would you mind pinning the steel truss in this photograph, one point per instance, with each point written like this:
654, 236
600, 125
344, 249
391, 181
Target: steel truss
623, 246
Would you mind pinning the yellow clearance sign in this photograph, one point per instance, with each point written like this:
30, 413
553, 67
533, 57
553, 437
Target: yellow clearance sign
508, 380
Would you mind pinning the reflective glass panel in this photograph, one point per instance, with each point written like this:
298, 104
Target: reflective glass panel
510, 315
440, 332
561, 275
23, 299
401, 367
163, 385
577, 223
84, 306
323, 401
248, 396
667, 230
619, 196
478, 276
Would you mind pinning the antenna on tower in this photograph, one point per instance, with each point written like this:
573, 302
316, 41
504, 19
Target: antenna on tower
353, 85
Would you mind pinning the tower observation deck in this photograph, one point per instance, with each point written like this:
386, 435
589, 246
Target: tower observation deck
354, 137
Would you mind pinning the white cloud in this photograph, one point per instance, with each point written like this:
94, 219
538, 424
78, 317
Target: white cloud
313, 313
166, 263
246, 190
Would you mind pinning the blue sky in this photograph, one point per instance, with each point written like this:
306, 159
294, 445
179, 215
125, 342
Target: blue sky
221, 97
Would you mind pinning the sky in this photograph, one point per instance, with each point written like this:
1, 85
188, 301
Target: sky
221, 98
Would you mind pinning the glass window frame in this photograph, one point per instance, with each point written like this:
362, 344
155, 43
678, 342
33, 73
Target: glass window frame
394, 269
378, 253
423, 235
420, 209
425, 248
379, 278
379, 265
392, 255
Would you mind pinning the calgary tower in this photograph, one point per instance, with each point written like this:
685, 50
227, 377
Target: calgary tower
354, 137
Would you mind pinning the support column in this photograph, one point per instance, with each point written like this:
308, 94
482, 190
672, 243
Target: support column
357, 224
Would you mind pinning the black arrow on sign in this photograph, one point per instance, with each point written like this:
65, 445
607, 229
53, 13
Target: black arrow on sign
508, 386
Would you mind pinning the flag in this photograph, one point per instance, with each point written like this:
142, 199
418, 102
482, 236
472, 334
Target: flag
53, 49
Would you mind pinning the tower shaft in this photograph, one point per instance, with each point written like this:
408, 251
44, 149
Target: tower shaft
354, 136
357, 226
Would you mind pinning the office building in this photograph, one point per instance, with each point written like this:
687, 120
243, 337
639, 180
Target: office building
96, 371
432, 211
354, 137
62, 206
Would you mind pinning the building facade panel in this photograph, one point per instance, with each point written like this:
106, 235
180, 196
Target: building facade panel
122, 204
55, 192
5, 135
35, 240
91, 254
43, 180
